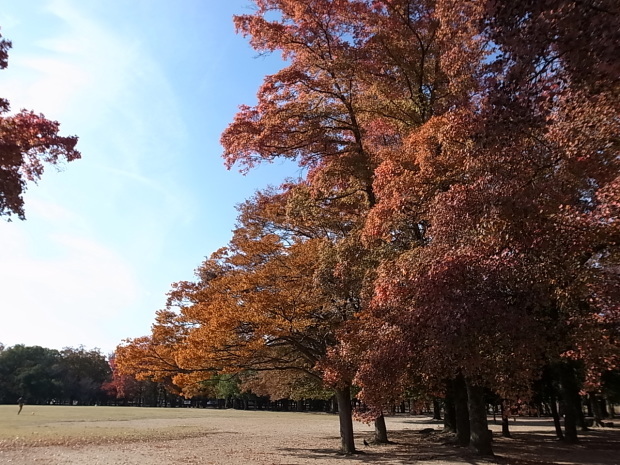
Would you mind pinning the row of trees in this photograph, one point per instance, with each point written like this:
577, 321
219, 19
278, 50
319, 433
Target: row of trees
456, 228
72, 376
86, 377
43, 376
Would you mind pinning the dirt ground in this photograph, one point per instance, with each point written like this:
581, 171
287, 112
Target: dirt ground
227, 437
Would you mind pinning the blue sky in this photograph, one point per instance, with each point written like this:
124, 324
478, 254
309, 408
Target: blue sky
147, 86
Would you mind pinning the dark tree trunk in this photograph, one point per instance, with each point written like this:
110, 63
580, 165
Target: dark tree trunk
570, 392
570, 423
381, 436
595, 406
449, 411
589, 409
480, 439
436, 409
556, 418
581, 418
603, 405
505, 422
343, 397
462, 411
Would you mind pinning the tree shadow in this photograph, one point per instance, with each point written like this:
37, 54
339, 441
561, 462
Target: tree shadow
596, 447
407, 447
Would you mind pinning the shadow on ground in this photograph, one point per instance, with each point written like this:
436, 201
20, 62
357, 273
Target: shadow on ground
596, 447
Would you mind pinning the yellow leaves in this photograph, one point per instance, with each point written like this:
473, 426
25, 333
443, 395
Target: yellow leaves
255, 298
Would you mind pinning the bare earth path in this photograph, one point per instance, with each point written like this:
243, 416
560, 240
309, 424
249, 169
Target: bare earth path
53, 435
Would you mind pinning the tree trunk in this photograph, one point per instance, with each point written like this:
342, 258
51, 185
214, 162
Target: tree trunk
480, 436
436, 409
505, 422
597, 412
461, 411
381, 436
581, 418
343, 397
569, 392
589, 409
449, 412
603, 406
570, 423
556, 419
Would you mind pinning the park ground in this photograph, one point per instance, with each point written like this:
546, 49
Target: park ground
62, 435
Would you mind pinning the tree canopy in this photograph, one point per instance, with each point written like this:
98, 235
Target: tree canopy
28, 142
456, 229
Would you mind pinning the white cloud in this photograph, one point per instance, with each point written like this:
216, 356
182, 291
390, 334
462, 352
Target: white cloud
98, 235
62, 70
75, 290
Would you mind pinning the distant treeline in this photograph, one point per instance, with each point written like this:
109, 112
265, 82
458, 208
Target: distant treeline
43, 376
78, 376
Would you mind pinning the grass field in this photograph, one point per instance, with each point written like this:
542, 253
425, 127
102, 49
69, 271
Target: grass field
53, 424
75, 435
72, 425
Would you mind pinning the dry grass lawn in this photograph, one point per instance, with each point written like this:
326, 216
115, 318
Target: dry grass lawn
56, 435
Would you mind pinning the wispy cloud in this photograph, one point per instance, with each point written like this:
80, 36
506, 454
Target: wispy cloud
67, 288
78, 269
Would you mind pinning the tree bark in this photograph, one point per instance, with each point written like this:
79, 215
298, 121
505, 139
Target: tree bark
505, 422
480, 437
381, 436
462, 411
603, 406
343, 397
589, 409
556, 418
436, 409
581, 418
570, 423
449, 412
570, 391
597, 412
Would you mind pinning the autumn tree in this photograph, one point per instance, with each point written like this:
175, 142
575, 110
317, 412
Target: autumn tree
122, 387
359, 75
265, 303
154, 357
287, 385
259, 305
456, 229
513, 184
28, 141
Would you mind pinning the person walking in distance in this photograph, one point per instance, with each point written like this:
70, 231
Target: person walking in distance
20, 402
